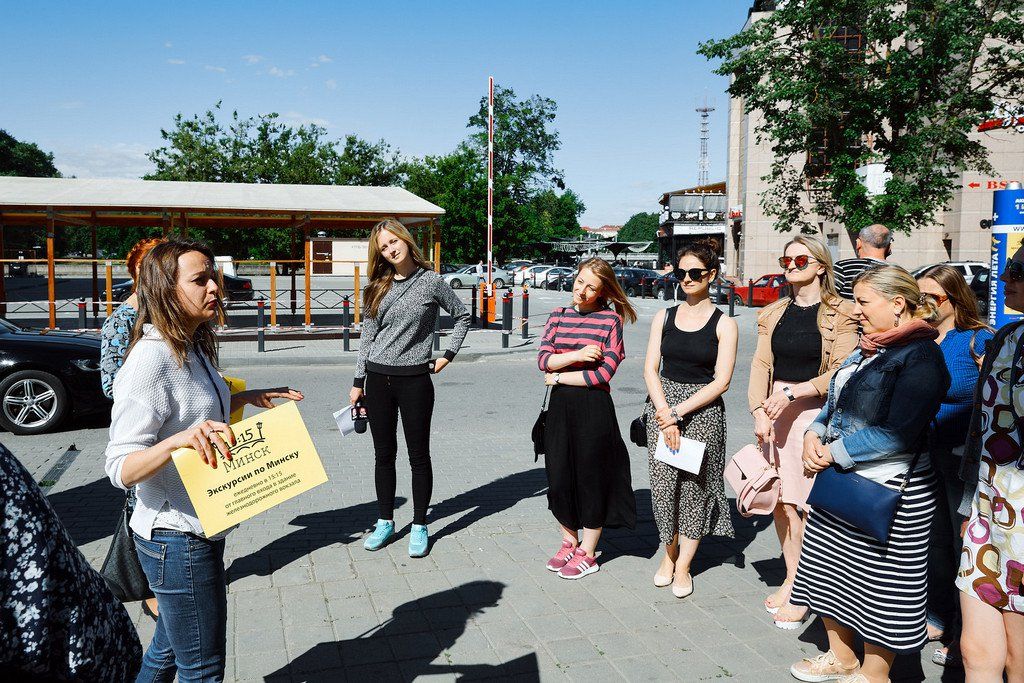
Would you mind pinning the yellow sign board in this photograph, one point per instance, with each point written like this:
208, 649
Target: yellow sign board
273, 460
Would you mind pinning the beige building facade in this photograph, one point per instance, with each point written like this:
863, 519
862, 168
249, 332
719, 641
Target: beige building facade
753, 245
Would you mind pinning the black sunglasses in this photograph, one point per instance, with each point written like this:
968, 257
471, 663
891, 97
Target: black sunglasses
1014, 270
801, 261
696, 274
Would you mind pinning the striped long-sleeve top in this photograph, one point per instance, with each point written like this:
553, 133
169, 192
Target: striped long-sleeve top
569, 330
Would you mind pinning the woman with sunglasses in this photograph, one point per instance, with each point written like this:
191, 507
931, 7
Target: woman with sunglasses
962, 338
801, 342
691, 353
991, 576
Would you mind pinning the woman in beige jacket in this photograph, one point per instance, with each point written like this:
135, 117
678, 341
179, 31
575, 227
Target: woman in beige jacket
801, 342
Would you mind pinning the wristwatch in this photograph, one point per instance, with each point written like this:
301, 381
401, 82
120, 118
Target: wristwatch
557, 375
674, 415
789, 394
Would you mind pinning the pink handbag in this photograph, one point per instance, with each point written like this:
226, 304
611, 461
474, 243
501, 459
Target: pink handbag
755, 480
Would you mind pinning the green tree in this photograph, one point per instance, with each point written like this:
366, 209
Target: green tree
909, 92
24, 159
641, 227
263, 149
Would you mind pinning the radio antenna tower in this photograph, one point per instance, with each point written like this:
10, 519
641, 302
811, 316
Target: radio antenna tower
704, 162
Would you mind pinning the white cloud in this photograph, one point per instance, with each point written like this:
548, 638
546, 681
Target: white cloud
175, 61
218, 69
322, 59
280, 73
253, 59
168, 44
120, 160
298, 119
331, 84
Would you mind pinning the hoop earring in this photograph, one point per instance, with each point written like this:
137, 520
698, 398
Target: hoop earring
897, 319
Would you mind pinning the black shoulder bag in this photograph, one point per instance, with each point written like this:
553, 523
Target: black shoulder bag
121, 569
537, 433
638, 427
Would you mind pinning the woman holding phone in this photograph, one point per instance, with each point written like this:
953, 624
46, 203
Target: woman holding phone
402, 303
691, 353
169, 395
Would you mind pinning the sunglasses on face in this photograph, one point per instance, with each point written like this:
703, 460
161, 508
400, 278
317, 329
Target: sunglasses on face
801, 261
1014, 271
694, 274
937, 298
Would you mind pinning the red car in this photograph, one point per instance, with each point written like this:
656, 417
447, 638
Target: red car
767, 289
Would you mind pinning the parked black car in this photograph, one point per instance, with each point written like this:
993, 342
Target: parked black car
236, 289
631, 278
718, 291
45, 376
979, 285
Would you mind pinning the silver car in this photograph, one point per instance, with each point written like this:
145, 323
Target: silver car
467, 277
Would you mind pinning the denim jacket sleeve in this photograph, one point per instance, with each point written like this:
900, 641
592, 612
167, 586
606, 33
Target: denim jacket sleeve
821, 422
917, 391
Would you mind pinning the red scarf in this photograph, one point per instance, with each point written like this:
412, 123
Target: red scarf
897, 336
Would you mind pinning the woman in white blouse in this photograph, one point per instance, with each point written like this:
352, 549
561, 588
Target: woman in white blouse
169, 395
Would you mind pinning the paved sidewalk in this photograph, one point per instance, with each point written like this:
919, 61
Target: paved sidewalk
308, 603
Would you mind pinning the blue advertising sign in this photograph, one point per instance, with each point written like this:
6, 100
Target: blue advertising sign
1007, 236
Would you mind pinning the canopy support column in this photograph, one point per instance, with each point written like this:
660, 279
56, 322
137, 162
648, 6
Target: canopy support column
51, 275
95, 270
3, 287
308, 267
436, 229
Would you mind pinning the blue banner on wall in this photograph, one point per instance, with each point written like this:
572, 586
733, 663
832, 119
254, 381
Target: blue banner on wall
1007, 236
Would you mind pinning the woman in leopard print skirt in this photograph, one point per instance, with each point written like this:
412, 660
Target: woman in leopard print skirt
690, 359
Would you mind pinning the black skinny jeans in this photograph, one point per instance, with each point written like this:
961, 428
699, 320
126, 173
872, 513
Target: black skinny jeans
413, 396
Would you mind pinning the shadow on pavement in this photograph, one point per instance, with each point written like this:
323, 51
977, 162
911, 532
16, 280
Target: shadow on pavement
484, 501
407, 645
320, 529
89, 512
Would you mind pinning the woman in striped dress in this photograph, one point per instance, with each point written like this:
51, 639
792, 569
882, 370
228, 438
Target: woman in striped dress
879, 406
587, 464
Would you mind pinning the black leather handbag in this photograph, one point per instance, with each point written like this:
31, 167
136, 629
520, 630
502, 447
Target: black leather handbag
865, 504
538, 427
638, 427
121, 568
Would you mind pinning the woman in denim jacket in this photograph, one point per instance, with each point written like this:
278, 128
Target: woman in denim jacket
874, 421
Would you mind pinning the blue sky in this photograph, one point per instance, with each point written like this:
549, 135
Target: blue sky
94, 82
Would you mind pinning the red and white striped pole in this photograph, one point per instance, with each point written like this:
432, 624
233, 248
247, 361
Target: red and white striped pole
490, 179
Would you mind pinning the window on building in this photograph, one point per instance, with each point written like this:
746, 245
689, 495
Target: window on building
823, 143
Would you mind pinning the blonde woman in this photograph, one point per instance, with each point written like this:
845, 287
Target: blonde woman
874, 423
169, 395
589, 484
402, 304
691, 353
801, 342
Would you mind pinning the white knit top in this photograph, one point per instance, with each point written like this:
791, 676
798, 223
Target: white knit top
154, 399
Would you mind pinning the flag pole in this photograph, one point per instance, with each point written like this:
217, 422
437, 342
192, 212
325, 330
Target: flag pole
490, 181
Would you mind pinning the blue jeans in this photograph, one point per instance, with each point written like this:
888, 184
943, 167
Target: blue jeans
187, 576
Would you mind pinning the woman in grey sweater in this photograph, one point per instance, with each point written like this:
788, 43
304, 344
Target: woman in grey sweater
169, 395
402, 303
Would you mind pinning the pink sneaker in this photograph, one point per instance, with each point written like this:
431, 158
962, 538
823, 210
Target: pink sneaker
579, 565
561, 557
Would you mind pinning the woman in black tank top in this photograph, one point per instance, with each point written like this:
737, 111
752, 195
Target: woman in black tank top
690, 359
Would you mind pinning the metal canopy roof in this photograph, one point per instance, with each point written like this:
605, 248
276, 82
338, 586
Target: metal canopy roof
113, 201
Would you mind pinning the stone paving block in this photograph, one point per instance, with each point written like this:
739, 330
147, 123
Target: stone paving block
692, 665
552, 627
645, 669
617, 645
270, 637
594, 672
371, 650
573, 650
737, 658
259, 664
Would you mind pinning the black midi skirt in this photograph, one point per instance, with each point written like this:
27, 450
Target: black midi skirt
589, 483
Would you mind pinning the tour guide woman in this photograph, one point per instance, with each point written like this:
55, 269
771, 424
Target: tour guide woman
402, 303
875, 421
587, 464
169, 395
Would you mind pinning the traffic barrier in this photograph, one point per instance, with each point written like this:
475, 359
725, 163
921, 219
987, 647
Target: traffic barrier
81, 314
506, 318
346, 321
437, 333
732, 300
750, 293
260, 326
526, 312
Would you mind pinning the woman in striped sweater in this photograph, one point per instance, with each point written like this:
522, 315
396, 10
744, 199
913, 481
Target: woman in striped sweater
587, 464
